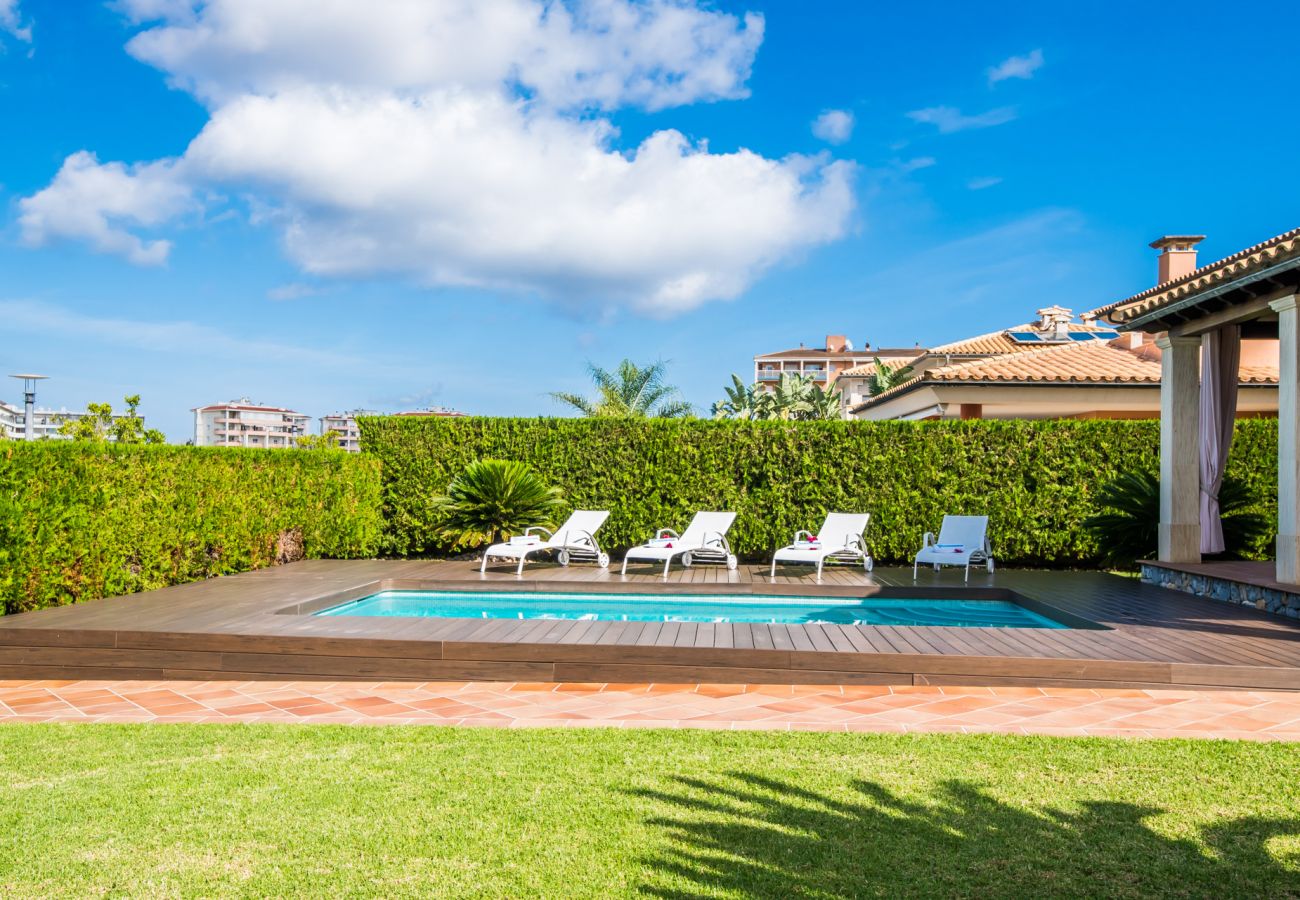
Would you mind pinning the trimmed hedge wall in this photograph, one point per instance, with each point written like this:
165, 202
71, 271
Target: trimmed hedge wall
80, 521
1035, 479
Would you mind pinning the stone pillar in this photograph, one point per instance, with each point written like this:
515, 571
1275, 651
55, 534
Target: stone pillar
1288, 440
1180, 473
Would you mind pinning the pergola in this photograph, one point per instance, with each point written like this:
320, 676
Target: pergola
1200, 319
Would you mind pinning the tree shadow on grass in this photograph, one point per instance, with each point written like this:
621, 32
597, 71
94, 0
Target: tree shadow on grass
748, 835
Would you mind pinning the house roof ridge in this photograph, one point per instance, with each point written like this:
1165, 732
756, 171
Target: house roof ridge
1250, 255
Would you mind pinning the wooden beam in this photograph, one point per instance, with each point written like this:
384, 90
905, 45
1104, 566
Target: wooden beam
1241, 312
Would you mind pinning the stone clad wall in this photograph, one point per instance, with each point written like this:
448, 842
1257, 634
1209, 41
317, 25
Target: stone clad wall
1281, 603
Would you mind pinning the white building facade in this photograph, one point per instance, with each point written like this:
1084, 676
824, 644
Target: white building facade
45, 422
344, 424
242, 423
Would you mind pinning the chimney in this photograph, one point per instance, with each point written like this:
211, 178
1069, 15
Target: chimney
836, 343
1054, 322
1177, 256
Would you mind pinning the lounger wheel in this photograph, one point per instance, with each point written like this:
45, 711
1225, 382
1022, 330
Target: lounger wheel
602, 560
562, 557
687, 559
868, 564
731, 562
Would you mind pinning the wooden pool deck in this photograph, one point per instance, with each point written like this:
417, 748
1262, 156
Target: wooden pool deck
257, 626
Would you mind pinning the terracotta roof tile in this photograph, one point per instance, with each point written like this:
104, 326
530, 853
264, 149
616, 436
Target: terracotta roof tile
818, 353
1089, 362
999, 343
1275, 249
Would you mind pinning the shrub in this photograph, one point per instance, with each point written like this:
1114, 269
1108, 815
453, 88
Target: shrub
491, 499
1037, 480
1128, 527
80, 521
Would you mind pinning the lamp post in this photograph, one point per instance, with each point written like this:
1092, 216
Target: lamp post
29, 403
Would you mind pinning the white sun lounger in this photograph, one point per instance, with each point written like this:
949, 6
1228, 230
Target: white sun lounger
574, 540
841, 539
962, 540
704, 540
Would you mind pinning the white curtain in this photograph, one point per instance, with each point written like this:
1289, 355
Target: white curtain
1220, 361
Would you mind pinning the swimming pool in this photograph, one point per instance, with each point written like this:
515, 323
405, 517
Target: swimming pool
715, 608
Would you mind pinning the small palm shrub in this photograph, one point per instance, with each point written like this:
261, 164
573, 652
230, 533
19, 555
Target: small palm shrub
1128, 527
491, 499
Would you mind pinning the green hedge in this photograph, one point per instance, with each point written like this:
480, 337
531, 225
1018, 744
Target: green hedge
1034, 479
80, 521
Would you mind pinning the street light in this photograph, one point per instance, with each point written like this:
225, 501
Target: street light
29, 403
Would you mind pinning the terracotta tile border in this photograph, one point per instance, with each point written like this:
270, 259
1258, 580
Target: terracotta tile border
1070, 712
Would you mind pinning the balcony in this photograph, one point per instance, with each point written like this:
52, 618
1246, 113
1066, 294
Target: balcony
767, 375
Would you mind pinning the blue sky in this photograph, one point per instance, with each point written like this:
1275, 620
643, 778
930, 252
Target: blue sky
309, 251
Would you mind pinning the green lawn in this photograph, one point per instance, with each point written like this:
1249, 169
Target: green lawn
179, 810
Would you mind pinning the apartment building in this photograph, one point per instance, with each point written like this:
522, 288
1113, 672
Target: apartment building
45, 422
824, 365
433, 411
243, 423
344, 424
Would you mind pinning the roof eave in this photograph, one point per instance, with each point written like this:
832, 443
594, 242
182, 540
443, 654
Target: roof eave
1158, 313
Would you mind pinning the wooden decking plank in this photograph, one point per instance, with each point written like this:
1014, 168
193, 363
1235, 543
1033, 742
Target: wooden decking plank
1150, 626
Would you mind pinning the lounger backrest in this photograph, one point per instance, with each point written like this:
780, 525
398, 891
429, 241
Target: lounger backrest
583, 522
840, 528
707, 526
969, 531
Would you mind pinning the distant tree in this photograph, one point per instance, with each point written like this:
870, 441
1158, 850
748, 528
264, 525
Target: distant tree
740, 402
99, 424
1127, 524
629, 392
886, 376
327, 441
794, 397
824, 403
492, 499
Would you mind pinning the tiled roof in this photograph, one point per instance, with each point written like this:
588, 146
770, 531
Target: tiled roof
249, 408
1089, 362
432, 412
998, 342
812, 352
1274, 250
995, 343
864, 370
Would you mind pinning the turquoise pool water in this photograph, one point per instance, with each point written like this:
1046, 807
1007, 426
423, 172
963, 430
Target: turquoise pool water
693, 608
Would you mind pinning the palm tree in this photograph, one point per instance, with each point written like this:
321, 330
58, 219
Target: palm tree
824, 403
631, 391
788, 399
794, 397
741, 401
493, 498
886, 376
1126, 527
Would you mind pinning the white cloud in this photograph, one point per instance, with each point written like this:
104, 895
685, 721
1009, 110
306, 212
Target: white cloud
463, 143
181, 337
1039, 254
598, 53
96, 202
949, 119
1016, 67
11, 21
979, 184
915, 163
294, 290
835, 126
